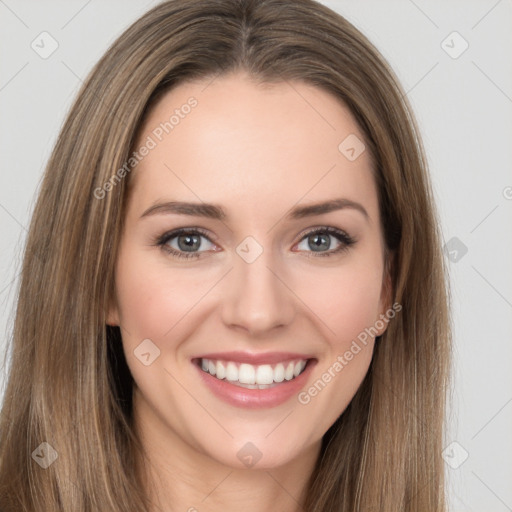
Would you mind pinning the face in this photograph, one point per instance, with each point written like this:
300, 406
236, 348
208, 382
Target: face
247, 280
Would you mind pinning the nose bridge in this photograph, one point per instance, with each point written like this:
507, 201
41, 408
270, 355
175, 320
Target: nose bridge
256, 298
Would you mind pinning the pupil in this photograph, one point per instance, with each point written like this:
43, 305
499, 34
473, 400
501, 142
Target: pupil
314, 239
191, 242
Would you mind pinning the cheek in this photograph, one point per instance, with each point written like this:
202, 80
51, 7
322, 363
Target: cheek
344, 299
153, 298
347, 304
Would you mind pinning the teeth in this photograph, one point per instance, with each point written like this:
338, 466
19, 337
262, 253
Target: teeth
279, 373
253, 377
288, 374
232, 372
247, 374
298, 368
264, 374
221, 370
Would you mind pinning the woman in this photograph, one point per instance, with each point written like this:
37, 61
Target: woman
233, 291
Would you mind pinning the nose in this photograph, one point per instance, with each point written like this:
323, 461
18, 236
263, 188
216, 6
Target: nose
256, 297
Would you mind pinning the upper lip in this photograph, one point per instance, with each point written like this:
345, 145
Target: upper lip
254, 359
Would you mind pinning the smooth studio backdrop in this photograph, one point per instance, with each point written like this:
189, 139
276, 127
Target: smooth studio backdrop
454, 60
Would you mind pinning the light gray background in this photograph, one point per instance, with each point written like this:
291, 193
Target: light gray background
464, 109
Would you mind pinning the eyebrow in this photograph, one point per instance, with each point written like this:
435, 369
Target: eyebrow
213, 211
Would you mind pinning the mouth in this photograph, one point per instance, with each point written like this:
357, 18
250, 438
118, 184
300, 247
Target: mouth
254, 381
249, 376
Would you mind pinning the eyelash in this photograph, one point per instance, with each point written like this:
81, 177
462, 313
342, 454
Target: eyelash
341, 236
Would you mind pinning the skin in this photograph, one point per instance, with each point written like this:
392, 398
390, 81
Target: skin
257, 151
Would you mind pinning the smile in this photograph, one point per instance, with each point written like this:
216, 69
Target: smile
250, 376
254, 381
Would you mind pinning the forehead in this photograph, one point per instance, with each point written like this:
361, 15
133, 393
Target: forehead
247, 146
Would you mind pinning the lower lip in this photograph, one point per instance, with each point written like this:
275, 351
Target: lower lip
256, 398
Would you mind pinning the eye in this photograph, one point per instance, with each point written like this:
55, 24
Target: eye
320, 240
185, 242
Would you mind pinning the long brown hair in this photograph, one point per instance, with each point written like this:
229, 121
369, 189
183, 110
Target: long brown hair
69, 385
